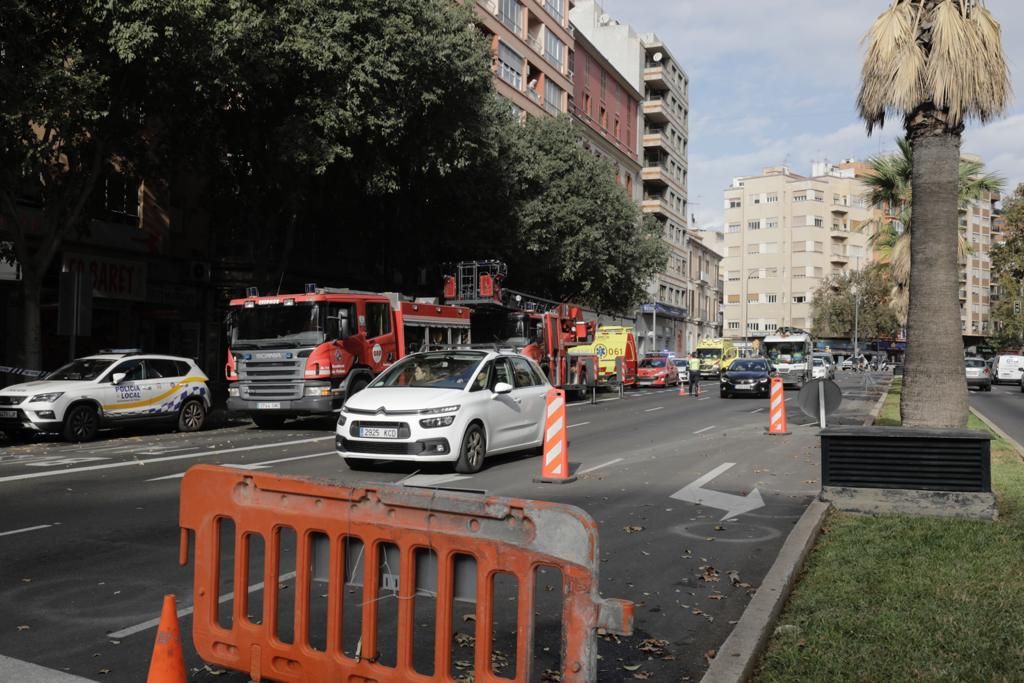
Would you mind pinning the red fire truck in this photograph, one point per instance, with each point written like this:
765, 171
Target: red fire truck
303, 354
540, 329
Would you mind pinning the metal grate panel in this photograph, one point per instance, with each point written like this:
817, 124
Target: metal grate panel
906, 458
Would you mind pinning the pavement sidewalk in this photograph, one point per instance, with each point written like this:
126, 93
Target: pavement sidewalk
17, 670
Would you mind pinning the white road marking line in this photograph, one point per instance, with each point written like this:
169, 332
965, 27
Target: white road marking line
185, 611
578, 424
25, 530
597, 467
157, 461
704, 399
255, 465
428, 480
701, 431
756, 410
651, 410
789, 399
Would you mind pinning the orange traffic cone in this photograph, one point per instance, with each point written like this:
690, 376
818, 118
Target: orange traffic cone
168, 662
555, 465
682, 388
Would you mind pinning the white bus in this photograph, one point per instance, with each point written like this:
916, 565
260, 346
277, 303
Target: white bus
790, 351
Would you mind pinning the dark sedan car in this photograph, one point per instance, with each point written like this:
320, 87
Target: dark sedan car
747, 377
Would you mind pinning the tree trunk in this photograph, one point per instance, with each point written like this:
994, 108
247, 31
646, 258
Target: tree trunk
31, 296
934, 384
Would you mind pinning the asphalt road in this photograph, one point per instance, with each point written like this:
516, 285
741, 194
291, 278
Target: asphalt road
1004, 406
88, 533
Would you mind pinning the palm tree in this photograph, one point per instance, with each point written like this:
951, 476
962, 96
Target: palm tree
888, 185
935, 63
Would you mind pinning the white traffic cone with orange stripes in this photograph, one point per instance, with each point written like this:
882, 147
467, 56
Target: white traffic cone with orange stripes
555, 463
777, 409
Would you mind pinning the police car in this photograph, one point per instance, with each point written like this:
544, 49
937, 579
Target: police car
112, 388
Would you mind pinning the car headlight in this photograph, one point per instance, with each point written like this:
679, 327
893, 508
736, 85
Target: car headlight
233, 391
440, 421
763, 380
440, 411
46, 398
725, 379
341, 420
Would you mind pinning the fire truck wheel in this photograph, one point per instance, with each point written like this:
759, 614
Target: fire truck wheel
474, 448
357, 385
268, 421
192, 417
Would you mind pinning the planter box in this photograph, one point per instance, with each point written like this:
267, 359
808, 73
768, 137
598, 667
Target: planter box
945, 472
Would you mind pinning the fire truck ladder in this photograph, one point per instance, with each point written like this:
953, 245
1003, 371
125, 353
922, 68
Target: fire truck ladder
467, 280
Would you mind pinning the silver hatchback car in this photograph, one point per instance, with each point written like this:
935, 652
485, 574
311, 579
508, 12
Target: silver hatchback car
979, 374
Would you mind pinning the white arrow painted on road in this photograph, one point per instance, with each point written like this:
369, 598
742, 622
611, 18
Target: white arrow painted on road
732, 504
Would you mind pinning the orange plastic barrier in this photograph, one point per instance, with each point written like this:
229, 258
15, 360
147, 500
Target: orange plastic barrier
777, 408
555, 463
477, 543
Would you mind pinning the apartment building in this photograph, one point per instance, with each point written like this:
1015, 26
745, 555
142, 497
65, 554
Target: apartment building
980, 227
678, 313
532, 43
784, 234
608, 106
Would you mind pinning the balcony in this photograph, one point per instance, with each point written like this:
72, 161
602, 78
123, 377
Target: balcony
660, 207
839, 257
655, 111
655, 175
656, 141
655, 77
840, 233
840, 208
535, 42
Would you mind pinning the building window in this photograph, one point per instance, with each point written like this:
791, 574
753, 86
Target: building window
772, 198
552, 98
734, 227
799, 298
755, 199
554, 49
754, 248
511, 13
604, 118
733, 299
735, 203
734, 324
618, 129
771, 298
771, 223
753, 225
819, 222
510, 66
586, 103
554, 8
800, 197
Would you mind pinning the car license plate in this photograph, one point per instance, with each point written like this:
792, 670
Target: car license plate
274, 405
744, 387
378, 432
8, 413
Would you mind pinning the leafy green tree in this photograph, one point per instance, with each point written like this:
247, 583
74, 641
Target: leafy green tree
833, 306
1008, 276
87, 85
935, 64
579, 236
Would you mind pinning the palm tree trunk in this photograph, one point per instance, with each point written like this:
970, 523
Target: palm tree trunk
934, 385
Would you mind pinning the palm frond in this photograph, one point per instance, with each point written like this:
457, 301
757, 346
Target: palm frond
966, 74
886, 40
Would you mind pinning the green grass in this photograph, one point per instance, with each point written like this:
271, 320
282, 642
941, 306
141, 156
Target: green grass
891, 598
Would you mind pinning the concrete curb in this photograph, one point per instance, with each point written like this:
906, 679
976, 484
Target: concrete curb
741, 651
876, 411
995, 428
17, 670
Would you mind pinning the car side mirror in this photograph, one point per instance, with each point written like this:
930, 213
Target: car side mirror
118, 377
502, 388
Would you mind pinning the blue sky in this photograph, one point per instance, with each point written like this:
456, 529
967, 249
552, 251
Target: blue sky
776, 80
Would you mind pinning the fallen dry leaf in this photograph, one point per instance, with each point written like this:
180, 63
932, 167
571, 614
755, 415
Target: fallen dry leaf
709, 575
632, 529
709, 655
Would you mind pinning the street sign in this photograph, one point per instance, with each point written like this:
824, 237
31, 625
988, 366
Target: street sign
820, 398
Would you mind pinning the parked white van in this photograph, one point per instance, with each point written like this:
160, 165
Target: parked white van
1007, 369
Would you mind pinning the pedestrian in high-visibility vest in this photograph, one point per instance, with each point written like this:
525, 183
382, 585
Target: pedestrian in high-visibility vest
693, 363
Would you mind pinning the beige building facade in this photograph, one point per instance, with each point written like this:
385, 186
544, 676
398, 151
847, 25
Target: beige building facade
784, 234
979, 226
